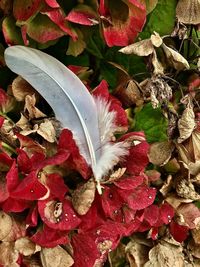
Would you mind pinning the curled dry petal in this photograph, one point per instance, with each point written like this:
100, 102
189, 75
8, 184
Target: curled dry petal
9, 255
5, 225
165, 255
142, 48
83, 197
188, 11
160, 153
186, 123
190, 215
56, 257
26, 247
175, 59
186, 189
21, 88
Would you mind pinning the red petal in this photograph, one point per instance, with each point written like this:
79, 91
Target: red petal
3, 97
15, 205
1, 121
56, 185
142, 197
39, 161
122, 31
52, 3
30, 188
179, 232
23, 161
68, 219
151, 214
166, 213
30, 145
5, 160
83, 15
24, 9
111, 201
85, 250
12, 179
58, 18
102, 90
32, 218
137, 159
75, 161
49, 238
4, 194
129, 183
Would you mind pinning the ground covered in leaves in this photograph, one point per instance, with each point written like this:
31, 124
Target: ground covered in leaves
142, 57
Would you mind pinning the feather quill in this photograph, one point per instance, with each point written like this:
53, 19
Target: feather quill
89, 119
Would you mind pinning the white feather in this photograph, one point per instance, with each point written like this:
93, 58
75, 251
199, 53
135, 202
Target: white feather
89, 119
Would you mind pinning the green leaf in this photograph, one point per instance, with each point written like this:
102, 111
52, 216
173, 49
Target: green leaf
42, 29
152, 122
150, 5
12, 33
161, 19
75, 48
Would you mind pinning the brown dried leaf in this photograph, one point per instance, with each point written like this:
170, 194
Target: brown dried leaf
55, 257
136, 253
18, 229
158, 89
175, 200
186, 123
188, 11
157, 65
194, 249
21, 88
160, 152
186, 189
156, 39
9, 255
164, 190
196, 235
142, 48
47, 131
5, 225
165, 255
175, 59
117, 256
26, 247
189, 215
129, 93
33, 112
83, 197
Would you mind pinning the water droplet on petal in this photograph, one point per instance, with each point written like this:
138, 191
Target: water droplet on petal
110, 195
31, 190
150, 197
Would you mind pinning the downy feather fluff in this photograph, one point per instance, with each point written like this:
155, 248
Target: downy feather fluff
89, 119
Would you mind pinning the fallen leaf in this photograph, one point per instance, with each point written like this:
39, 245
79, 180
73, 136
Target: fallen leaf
160, 152
137, 253
186, 123
142, 48
47, 130
188, 11
33, 112
5, 225
83, 197
21, 88
165, 255
9, 255
150, 5
186, 189
55, 257
175, 59
26, 247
